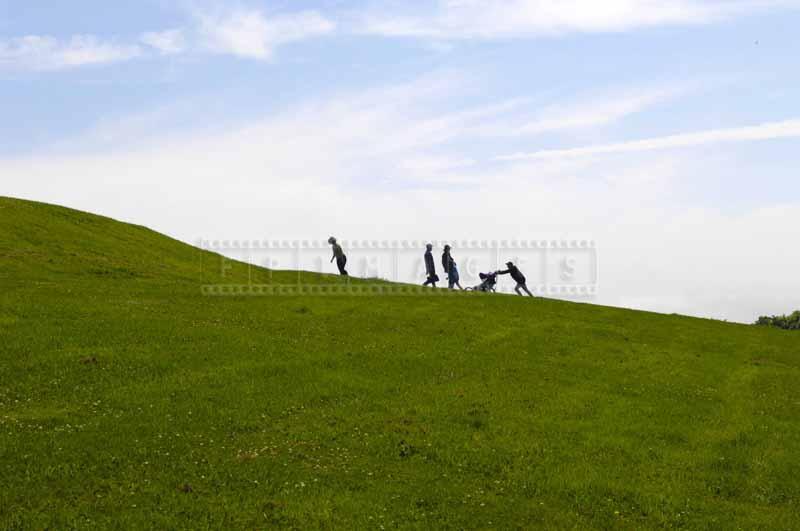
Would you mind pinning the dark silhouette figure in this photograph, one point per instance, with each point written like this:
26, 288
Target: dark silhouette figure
338, 255
517, 275
450, 268
430, 267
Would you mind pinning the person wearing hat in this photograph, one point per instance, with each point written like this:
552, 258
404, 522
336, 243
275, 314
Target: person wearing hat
450, 268
338, 255
430, 268
518, 277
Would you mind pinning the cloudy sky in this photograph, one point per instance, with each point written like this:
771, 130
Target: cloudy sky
667, 131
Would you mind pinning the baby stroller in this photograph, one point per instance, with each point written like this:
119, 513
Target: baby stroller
488, 283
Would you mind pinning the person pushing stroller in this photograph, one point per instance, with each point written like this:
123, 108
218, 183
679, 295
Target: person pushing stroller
518, 277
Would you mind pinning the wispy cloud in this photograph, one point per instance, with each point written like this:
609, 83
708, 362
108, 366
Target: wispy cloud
610, 108
242, 32
488, 19
588, 111
167, 42
767, 131
250, 33
36, 52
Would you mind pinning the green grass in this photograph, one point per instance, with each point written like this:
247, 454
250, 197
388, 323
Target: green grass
130, 400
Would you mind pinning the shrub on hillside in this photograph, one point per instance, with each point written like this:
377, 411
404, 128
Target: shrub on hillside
787, 322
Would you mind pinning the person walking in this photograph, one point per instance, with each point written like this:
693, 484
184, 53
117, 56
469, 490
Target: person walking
338, 255
518, 277
430, 267
450, 269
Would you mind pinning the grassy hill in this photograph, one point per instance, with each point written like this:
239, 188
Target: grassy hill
128, 399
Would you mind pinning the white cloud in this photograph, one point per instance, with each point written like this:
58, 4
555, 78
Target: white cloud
167, 42
35, 52
486, 19
245, 33
599, 109
603, 110
767, 131
250, 33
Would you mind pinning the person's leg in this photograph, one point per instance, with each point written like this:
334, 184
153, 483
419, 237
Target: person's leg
341, 262
525, 287
516, 288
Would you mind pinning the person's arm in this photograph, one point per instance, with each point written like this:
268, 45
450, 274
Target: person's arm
503, 272
334, 255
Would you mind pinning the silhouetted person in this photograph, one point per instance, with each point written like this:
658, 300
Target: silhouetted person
450, 268
338, 255
517, 275
430, 267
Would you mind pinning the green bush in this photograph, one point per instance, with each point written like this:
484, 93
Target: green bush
787, 322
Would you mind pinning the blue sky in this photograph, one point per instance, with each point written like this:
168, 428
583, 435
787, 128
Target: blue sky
667, 131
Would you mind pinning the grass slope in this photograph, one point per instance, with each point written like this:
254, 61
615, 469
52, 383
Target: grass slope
128, 399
